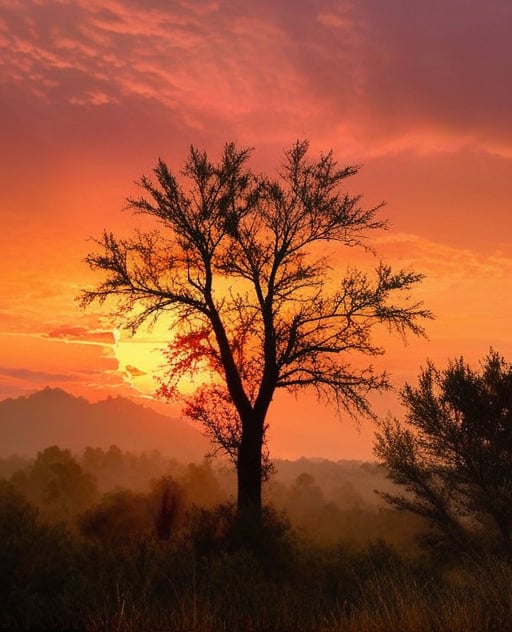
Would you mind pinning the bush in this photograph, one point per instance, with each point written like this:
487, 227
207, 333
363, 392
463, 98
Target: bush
39, 578
453, 456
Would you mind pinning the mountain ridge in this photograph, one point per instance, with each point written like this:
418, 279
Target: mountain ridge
50, 416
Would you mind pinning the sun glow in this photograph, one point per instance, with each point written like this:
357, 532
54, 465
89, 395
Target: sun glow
141, 361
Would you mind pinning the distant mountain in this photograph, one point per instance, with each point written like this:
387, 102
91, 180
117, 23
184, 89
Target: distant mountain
54, 417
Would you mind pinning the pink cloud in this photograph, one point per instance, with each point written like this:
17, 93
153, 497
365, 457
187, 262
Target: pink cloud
378, 77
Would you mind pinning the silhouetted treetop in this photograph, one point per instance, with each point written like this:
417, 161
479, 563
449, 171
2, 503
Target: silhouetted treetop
453, 454
240, 260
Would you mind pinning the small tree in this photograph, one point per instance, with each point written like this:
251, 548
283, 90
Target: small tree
57, 484
240, 262
453, 455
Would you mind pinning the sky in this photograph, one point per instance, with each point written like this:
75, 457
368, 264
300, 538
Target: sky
93, 92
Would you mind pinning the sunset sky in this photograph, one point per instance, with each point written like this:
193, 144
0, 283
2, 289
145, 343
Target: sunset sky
92, 92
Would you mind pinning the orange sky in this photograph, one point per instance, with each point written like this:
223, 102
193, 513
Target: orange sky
93, 92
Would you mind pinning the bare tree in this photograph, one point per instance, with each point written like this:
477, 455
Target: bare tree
240, 261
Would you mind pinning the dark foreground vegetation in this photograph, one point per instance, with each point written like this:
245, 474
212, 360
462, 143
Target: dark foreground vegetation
80, 552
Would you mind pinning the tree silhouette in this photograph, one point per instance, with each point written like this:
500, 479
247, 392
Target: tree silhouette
453, 455
240, 261
57, 484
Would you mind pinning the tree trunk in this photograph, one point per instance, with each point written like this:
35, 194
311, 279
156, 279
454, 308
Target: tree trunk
249, 469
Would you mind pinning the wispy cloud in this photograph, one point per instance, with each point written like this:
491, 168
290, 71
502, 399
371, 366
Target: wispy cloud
35, 377
470, 293
384, 78
440, 260
133, 371
82, 335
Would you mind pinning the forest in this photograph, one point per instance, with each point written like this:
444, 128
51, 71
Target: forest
113, 540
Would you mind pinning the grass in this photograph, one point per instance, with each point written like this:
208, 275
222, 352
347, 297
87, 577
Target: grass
382, 599
206, 579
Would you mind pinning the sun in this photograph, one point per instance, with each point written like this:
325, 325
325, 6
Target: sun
141, 360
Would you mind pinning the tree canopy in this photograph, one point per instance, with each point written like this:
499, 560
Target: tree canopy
453, 455
241, 261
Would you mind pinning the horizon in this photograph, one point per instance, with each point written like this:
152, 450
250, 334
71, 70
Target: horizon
164, 449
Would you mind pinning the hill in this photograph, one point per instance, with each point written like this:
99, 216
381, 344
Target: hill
53, 416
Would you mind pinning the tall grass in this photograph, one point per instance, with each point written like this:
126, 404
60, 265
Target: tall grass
339, 592
215, 575
329, 591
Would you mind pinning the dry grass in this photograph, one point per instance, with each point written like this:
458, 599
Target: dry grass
395, 598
